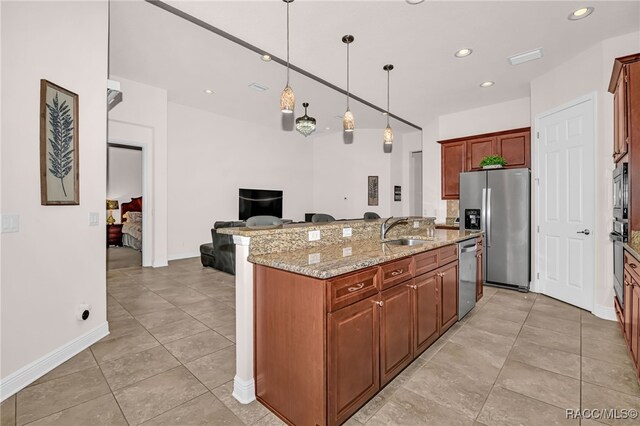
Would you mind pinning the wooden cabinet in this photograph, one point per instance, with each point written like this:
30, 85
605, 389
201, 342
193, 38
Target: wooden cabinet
396, 331
479, 270
630, 320
453, 163
323, 348
114, 235
620, 117
465, 154
353, 363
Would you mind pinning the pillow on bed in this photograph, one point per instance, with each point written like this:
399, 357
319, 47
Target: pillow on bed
133, 217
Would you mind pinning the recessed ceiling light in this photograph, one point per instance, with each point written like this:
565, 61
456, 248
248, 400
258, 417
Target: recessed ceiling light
266, 57
208, 91
487, 84
327, 128
525, 57
463, 52
258, 87
581, 13
414, 1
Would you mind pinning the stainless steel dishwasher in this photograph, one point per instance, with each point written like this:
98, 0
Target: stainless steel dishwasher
466, 276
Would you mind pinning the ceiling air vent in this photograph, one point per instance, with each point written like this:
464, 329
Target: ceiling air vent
521, 58
114, 95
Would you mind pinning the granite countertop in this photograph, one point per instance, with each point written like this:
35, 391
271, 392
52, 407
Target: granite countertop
336, 259
447, 226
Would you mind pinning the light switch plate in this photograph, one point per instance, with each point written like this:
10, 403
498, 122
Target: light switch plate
314, 258
347, 251
94, 219
416, 224
10, 223
314, 235
346, 232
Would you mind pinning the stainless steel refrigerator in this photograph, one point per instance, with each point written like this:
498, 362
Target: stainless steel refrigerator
498, 202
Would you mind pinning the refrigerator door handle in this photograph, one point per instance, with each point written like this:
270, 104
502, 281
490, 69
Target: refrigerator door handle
483, 212
488, 231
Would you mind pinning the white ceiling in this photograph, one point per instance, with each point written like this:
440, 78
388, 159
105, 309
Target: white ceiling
152, 46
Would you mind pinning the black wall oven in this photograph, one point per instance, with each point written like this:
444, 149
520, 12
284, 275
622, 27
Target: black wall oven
620, 233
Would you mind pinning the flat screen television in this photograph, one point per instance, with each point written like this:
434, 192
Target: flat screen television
259, 202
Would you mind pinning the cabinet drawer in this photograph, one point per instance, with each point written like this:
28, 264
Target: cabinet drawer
347, 290
395, 272
426, 262
632, 266
448, 254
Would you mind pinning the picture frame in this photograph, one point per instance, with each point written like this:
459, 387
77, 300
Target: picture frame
397, 193
372, 190
59, 159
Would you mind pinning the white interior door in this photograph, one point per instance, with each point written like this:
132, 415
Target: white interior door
566, 213
415, 202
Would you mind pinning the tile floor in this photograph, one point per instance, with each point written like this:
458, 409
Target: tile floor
169, 360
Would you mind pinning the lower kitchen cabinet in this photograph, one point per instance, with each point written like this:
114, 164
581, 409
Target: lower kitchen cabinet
449, 288
479, 270
635, 320
630, 317
426, 302
396, 331
352, 364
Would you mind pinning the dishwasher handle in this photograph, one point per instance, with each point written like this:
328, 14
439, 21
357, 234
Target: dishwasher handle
469, 249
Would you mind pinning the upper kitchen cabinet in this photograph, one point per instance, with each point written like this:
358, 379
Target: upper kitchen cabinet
465, 154
620, 112
453, 163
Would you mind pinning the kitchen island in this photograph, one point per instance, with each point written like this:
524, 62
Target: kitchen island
287, 249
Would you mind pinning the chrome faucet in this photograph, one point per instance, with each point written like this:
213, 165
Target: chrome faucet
384, 228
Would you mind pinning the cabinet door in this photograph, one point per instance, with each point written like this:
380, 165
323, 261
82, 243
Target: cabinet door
628, 306
353, 365
448, 295
635, 317
426, 300
515, 148
479, 273
477, 149
453, 163
396, 331
620, 129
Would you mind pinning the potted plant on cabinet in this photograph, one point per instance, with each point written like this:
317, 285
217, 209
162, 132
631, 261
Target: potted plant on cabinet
493, 162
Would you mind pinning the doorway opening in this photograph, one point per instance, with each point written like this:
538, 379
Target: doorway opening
125, 201
415, 184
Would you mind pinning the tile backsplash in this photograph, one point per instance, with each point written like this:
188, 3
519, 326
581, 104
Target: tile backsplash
453, 210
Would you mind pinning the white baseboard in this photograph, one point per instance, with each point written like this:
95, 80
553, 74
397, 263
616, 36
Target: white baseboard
244, 390
179, 256
38, 368
605, 312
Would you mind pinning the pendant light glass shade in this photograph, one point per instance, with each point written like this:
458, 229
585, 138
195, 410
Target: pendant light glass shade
348, 123
305, 124
287, 98
387, 136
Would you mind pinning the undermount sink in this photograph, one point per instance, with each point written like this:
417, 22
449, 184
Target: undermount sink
406, 242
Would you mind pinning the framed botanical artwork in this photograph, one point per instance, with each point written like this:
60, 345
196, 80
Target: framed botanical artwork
59, 161
372, 190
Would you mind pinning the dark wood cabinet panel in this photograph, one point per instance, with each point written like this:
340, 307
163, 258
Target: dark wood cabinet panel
453, 163
395, 272
477, 149
628, 305
515, 148
425, 311
348, 289
620, 118
396, 331
114, 235
449, 295
353, 363
635, 319
425, 262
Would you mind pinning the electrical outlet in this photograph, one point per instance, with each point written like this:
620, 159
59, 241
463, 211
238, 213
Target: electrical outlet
314, 235
314, 258
346, 232
10, 223
346, 251
416, 224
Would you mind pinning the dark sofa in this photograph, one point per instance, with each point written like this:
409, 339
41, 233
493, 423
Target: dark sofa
221, 252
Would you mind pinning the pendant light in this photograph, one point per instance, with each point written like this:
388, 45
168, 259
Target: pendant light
305, 124
348, 123
287, 98
388, 132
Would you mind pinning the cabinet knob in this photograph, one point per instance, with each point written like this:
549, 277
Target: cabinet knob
396, 272
356, 287
379, 303
413, 286
633, 265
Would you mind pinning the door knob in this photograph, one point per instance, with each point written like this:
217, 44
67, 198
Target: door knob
585, 232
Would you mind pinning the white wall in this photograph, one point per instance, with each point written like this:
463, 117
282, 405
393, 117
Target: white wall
211, 157
432, 202
401, 171
141, 118
56, 261
124, 176
588, 72
491, 118
341, 170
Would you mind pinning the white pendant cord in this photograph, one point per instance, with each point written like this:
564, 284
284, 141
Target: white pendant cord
287, 43
388, 98
348, 76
